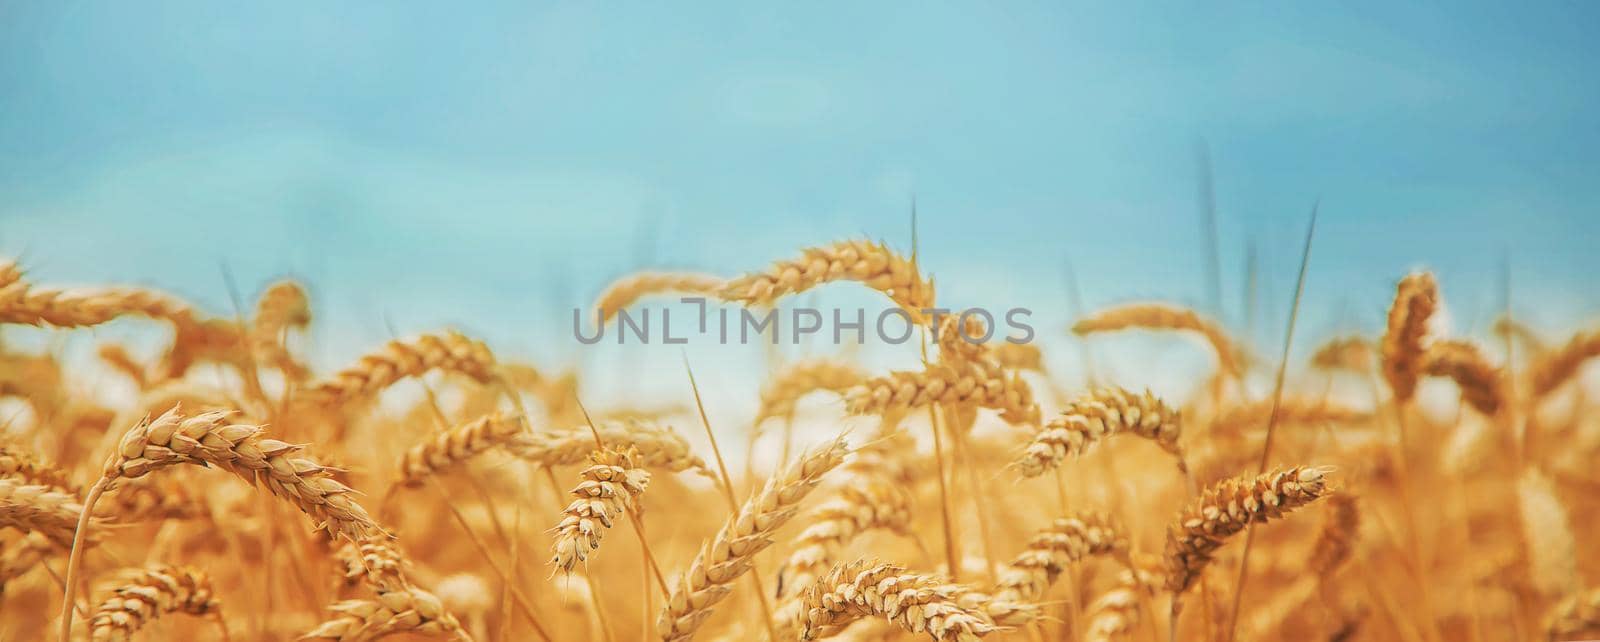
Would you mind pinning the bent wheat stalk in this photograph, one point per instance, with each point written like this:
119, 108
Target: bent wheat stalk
626, 291
393, 612
454, 447
282, 305
397, 360
872, 264
148, 594
1165, 316
710, 577
204, 439
917, 603
1094, 416
1226, 509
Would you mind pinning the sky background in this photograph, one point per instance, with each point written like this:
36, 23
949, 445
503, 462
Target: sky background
491, 168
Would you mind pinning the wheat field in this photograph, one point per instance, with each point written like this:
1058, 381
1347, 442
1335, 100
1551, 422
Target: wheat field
1413, 486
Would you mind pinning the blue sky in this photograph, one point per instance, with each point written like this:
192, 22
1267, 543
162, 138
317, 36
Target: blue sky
492, 167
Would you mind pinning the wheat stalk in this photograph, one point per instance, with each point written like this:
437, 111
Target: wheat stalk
917, 603
779, 394
1066, 541
730, 553
454, 447
146, 595
872, 264
1094, 416
452, 352
1226, 509
1404, 341
611, 486
1164, 316
627, 290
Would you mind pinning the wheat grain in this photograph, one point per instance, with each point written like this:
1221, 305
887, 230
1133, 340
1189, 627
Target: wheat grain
611, 486
1097, 415
1226, 509
148, 594
1066, 541
1164, 316
872, 264
454, 447
374, 561
626, 291
1404, 341
729, 554
917, 603
19, 463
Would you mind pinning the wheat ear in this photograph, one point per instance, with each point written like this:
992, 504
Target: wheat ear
1227, 508
46, 510
1482, 384
1164, 316
659, 447
398, 611
17, 462
1576, 617
728, 555
867, 503
454, 447
1557, 367
611, 486
1338, 538
979, 383
22, 555
282, 305
1112, 616
1404, 341
146, 595
374, 561
1064, 542
872, 264
628, 290
917, 603
779, 394
1097, 415
451, 352
72, 309
1344, 353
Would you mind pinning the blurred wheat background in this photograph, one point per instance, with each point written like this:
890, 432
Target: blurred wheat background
489, 170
